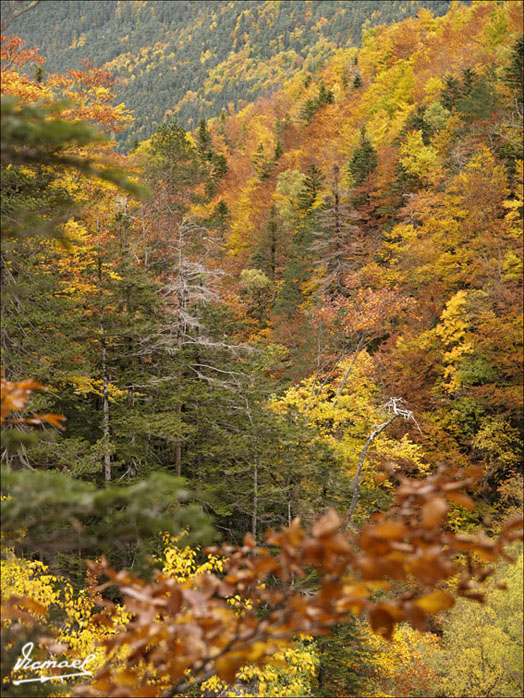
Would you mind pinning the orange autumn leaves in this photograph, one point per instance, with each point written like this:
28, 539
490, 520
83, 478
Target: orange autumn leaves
181, 634
15, 395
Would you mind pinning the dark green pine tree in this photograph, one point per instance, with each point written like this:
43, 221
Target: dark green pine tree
417, 122
468, 80
345, 661
213, 164
451, 92
364, 160
299, 257
312, 185
203, 141
309, 110
479, 101
325, 96
357, 82
218, 166
263, 164
513, 75
218, 224
176, 161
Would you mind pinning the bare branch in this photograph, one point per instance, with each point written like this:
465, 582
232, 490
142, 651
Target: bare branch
391, 406
13, 9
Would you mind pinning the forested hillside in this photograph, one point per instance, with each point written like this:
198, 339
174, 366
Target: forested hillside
293, 330
192, 59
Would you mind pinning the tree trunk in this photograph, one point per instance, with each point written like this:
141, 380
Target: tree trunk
255, 500
105, 410
361, 460
105, 377
178, 444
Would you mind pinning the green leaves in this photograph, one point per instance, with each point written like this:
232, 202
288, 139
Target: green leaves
33, 136
60, 513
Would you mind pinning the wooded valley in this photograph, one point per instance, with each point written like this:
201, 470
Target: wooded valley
262, 348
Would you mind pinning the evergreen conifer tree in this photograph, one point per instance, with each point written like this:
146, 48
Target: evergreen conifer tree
364, 160
515, 71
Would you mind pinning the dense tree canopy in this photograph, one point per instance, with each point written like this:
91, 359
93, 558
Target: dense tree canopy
294, 331
179, 59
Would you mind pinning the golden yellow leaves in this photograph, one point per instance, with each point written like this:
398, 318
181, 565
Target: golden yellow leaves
85, 385
421, 160
181, 562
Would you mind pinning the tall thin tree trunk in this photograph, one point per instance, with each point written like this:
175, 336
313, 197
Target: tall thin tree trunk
344, 380
105, 377
178, 444
181, 329
362, 458
105, 409
255, 500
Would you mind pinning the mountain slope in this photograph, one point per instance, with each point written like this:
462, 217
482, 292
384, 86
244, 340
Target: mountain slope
193, 59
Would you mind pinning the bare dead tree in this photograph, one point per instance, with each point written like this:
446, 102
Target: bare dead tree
392, 407
336, 243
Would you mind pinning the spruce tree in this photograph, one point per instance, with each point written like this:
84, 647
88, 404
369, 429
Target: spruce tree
336, 239
312, 185
364, 160
203, 140
513, 75
451, 92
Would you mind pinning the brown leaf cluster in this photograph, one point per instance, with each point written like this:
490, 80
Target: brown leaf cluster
183, 633
14, 397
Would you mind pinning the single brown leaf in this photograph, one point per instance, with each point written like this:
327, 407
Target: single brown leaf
434, 602
327, 524
434, 511
228, 665
394, 530
174, 602
381, 622
462, 499
249, 541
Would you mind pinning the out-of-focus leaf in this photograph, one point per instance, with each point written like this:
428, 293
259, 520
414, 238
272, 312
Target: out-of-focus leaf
437, 601
434, 511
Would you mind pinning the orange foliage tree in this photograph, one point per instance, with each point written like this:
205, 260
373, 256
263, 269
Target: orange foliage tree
181, 634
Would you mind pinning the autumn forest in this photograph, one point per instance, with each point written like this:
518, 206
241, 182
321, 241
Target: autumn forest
261, 344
